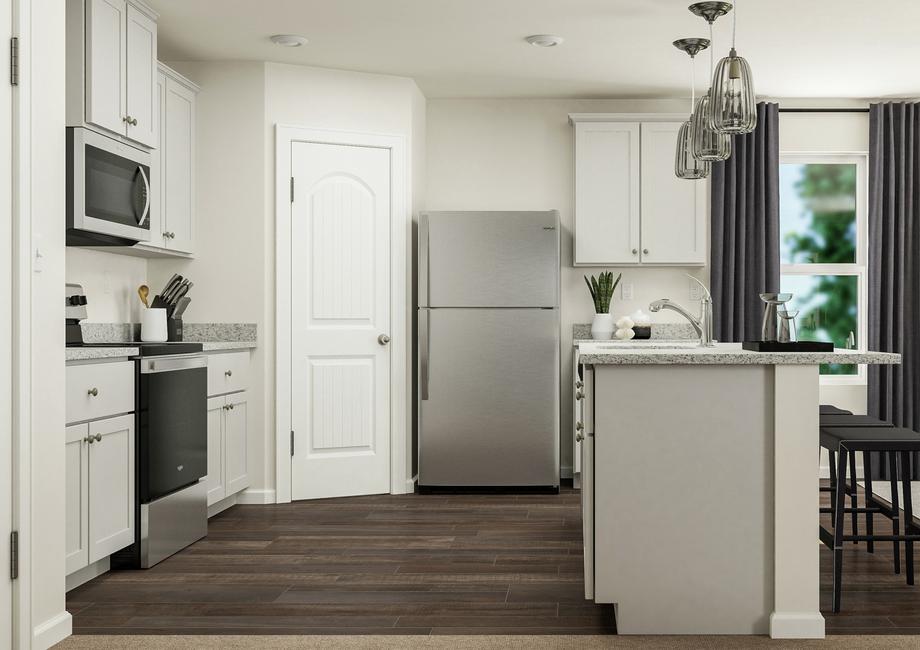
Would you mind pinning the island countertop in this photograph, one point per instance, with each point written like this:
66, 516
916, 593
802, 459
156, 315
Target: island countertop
689, 353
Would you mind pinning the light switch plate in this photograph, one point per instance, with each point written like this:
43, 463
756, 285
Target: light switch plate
626, 291
696, 292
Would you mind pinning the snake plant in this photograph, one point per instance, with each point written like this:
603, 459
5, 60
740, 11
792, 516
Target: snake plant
602, 288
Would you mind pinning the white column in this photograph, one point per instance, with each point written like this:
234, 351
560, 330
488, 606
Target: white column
796, 610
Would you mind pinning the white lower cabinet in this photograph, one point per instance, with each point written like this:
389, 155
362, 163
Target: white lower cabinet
100, 489
228, 461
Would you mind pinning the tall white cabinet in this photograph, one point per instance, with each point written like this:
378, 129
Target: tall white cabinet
630, 208
112, 62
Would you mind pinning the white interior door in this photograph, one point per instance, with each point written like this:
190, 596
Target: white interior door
340, 309
6, 339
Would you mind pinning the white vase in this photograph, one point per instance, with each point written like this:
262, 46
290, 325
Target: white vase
603, 327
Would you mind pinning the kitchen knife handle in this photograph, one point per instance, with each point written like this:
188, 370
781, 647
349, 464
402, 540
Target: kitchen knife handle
424, 345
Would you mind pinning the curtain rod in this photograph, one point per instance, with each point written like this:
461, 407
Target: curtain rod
823, 110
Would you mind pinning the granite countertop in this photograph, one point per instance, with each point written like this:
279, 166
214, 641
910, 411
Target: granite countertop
622, 353
90, 353
214, 346
214, 337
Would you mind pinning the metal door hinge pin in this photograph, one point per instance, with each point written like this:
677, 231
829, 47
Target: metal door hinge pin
14, 61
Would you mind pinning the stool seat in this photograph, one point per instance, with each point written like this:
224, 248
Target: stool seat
870, 438
844, 420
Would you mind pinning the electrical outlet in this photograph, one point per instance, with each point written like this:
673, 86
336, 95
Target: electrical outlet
696, 292
626, 291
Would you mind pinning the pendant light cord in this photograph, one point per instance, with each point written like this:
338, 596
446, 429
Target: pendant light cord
712, 47
734, 22
692, 83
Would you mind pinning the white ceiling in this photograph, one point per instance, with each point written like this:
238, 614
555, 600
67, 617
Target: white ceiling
613, 48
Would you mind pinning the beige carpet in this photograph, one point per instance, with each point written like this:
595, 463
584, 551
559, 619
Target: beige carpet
475, 642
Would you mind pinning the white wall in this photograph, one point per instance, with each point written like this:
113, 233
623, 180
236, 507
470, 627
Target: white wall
110, 281
499, 154
234, 270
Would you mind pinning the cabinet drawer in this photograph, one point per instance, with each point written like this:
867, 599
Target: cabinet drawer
99, 390
228, 372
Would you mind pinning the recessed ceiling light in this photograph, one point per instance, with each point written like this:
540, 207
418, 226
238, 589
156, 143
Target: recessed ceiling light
288, 40
544, 40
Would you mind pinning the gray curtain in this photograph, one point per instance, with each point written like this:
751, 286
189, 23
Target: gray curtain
745, 229
894, 260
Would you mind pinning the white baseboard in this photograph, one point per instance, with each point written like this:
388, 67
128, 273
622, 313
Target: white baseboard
53, 631
220, 506
794, 625
86, 574
256, 497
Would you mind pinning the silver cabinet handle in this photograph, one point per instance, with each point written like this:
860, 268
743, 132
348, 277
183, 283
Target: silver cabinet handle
229, 373
579, 395
97, 437
146, 212
383, 339
93, 392
635, 251
645, 251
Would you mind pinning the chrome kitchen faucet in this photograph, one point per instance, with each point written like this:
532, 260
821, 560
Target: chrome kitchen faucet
703, 324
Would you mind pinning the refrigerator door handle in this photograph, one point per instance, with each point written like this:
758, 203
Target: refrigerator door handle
424, 350
423, 276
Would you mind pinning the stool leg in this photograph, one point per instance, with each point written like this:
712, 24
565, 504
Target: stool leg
870, 517
895, 508
908, 515
854, 502
832, 465
838, 527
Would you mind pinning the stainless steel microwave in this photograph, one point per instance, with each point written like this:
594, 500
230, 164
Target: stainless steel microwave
108, 191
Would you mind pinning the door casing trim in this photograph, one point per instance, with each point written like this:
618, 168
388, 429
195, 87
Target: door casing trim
401, 479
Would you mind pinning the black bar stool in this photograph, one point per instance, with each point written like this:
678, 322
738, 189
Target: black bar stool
896, 442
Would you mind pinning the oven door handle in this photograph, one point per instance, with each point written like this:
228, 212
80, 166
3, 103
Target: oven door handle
172, 364
146, 212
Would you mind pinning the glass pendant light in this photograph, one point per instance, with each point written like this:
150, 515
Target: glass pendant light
685, 164
733, 107
709, 144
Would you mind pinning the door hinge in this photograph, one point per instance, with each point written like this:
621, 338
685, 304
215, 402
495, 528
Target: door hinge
292, 443
14, 555
292, 189
14, 61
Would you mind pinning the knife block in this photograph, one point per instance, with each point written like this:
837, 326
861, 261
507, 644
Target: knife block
173, 329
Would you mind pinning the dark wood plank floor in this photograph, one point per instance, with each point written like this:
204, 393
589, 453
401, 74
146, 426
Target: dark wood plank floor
491, 564
457, 564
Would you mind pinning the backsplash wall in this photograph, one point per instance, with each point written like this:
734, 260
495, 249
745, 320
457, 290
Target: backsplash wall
110, 281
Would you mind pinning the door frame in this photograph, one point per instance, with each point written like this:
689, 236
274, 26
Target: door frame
401, 479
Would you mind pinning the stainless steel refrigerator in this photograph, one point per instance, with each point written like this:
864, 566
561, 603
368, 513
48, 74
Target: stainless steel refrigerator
488, 357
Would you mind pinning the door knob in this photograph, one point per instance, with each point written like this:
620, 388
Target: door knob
383, 339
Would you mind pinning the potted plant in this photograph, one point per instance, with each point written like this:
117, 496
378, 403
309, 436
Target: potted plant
602, 288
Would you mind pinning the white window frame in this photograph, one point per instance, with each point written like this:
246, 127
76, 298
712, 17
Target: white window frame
858, 269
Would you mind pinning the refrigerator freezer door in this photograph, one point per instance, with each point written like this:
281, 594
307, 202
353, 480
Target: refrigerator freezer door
489, 259
489, 401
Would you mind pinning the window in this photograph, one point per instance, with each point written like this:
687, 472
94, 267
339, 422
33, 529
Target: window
822, 205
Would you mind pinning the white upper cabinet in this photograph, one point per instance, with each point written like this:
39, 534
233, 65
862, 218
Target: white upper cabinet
607, 193
142, 77
178, 164
630, 209
111, 67
673, 209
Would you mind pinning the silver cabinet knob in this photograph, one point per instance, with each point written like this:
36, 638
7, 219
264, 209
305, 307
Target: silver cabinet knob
579, 436
231, 407
579, 426
225, 407
635, 251
97, 437
89, 439
383, 339
133, 121
93, 392
645, 251
579, 384
579, 395
126, 119
229, 373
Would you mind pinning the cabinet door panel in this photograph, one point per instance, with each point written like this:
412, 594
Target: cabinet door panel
111, 486
141, 64
673, 209
236, 440
179, 166
76, 470
215, 479
606, 193
106, 43
157, 159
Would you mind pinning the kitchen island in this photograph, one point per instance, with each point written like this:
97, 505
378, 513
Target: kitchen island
700, 486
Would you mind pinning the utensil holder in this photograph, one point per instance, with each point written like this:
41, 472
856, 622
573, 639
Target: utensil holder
153, 326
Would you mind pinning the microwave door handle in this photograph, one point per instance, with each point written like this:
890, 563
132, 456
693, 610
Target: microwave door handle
146, 212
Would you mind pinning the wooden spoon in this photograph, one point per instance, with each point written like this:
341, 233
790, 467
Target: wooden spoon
143, 291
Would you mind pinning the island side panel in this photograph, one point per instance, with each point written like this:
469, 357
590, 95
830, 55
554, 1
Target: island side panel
797, 607
684, 497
